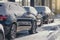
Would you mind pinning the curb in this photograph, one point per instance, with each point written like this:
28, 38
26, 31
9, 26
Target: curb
54, 35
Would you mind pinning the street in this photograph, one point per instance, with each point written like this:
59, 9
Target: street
45, 32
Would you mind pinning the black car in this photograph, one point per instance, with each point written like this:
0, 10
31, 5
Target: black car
33, 11
47, 14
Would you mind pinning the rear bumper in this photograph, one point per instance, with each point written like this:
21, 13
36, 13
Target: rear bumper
6, 27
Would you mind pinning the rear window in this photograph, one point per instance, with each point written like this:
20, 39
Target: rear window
2, 8
40, 9
26, 8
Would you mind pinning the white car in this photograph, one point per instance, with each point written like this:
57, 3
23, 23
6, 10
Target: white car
47, 14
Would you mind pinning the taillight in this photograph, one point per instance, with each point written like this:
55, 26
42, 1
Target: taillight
2, 18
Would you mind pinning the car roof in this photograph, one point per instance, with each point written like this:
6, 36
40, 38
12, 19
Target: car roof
41, 6
31, 9
27, 6
6, 6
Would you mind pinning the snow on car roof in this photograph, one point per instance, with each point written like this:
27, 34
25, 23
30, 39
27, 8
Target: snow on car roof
30, 9
13, 7
40, 6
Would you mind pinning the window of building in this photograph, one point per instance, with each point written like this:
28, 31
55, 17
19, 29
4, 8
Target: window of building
23, 2
12, 0
43, 2
37, 2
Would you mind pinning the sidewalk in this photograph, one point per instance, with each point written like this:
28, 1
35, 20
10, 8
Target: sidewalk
39, 36
58, 38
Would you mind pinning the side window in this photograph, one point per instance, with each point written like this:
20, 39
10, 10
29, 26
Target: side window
26, 8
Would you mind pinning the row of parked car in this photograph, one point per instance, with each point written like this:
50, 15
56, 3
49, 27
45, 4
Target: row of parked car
11, 15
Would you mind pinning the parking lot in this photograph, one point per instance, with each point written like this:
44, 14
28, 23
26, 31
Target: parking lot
45, 32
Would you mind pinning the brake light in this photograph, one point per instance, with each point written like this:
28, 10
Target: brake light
2, 18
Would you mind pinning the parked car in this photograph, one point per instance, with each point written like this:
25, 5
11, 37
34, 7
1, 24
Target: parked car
11, 14
47, 14
33, 11
2, 35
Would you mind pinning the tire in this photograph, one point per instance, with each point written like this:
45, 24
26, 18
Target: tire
13, 31
46, 22
33, 27
2, 36
52, 21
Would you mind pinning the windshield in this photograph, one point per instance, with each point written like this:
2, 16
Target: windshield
40, 9
26, 8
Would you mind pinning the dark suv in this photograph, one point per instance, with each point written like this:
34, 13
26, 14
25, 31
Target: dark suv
11, 15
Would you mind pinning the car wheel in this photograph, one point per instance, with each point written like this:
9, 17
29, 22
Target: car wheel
12, 33
33, 27
46, 22
2, 36
52, 21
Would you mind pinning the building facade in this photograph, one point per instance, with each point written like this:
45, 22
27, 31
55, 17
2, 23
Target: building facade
54, 5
